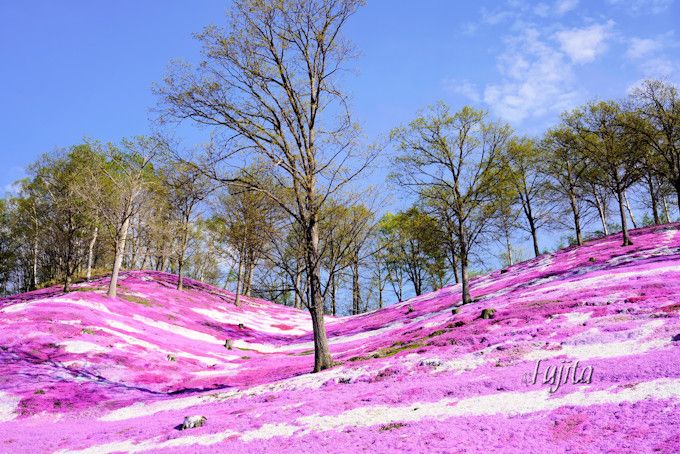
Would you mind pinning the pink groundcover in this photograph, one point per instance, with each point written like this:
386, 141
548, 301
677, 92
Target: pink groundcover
580, 352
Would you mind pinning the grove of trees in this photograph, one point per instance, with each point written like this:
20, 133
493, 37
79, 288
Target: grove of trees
274, 207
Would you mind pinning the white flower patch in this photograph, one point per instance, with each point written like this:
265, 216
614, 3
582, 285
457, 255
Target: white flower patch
176, 329
256, 322
504, 403
122, 326
600, 350
634, 346
83, 303
308, 381
268, 431
8, 406
214, 373
131, 340
577, 318
19, 307
76, 346
608, 278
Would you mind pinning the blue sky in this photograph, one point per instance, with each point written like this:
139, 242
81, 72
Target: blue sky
84, 69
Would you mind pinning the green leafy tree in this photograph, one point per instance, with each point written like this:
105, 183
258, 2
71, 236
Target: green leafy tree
414, 243
655, 119
565, 171
524, 160
454, 158
603, 143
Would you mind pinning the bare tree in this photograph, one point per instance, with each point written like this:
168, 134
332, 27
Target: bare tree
187, 187
269, 80
454, 157
122, 179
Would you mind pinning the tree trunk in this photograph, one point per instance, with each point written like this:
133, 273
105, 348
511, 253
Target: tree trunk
35, 263
577, 218
532, 223
180, 277
601, 210
655, 203
534, 236
90, 254
297, 301
356, 290
182, 250
624, 222
333, 289
467, 298
454, 262
630, 212
508, 248
121, 238
666, 210
464, 278
249, 279
239, 279
322, 355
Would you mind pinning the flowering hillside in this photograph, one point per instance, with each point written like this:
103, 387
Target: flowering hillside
84, 373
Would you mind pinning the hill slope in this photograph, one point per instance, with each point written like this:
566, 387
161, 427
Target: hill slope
84, 373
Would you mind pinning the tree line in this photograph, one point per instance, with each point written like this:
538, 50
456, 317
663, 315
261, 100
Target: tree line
273, 205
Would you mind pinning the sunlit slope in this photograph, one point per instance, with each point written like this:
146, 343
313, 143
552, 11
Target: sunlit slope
84, 372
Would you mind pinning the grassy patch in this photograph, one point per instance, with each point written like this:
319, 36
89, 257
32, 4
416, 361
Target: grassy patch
392, 426
137, 299
439, 332
388, 351
87, 289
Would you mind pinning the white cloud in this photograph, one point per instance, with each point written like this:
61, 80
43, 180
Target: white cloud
583, 45
564, 6
496, 17
637, 7
537, 80
660, 68
558, 8
650, 58
469, 28
643, 47
542, 9
463, 88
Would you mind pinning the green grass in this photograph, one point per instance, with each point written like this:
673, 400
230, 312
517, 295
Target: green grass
392, 426
439, 332
136, 299
392, 350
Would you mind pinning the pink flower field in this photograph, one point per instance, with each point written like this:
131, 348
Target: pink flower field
82, 373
